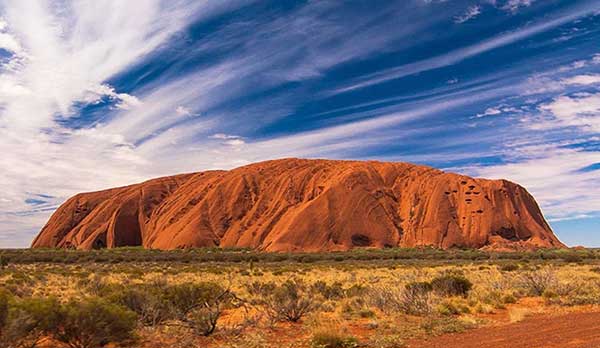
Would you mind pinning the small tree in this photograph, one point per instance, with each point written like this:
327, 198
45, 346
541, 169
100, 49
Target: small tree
94, 323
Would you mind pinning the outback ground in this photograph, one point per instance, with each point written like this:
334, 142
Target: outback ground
237, 298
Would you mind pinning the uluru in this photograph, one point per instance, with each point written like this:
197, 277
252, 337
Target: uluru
304, 205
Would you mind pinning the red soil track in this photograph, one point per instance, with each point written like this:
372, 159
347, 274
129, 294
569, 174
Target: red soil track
574, 330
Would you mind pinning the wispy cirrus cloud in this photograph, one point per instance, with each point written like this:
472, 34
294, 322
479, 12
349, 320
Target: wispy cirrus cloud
57, 58
459, 55
100, 95
555, 176
472, 12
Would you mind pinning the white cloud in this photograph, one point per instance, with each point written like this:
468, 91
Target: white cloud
514, 5
490, 112
224, 136
183, 111
497, 110
235, 142
9, 88
596, 59
581, 112
554, 176
579, 64
582, 80
63, 54
9, 43
472, 12
572, 217
66, 57
124, 101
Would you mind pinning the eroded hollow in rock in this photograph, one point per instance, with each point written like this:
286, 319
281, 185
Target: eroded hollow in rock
508, 233
360, 240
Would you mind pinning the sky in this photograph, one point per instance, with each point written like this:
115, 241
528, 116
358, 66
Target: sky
97, 94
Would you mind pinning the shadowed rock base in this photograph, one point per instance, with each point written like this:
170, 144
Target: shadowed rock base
304, 205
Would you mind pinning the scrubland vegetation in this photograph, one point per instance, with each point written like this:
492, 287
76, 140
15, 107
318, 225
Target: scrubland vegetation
236, 298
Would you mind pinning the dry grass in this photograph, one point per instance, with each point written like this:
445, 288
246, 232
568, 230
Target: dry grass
356, 316
517, 314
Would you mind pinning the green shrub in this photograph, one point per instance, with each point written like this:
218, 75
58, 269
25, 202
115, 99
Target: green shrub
536, 282
572, 258
366, 313
147, 302
509, 267
332, 340
550, 295
451, 285
334, 291
93, 323
451, 308
259, 289
289, 301
198, 305
30, 320
3, 262
508, 298
3, 310
423, 287
356, 290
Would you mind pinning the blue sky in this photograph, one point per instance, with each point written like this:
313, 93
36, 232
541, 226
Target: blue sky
99, 94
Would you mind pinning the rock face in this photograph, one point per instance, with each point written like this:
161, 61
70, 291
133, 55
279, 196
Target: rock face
304, 205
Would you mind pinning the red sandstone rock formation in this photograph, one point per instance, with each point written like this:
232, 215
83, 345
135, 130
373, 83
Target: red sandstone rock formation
304, 205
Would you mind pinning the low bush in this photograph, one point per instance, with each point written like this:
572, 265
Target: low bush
422, 287
509, 267
3, 310
536, 282
508, 298
30, 320
334, 291
146, 301
198, 305
3, 262
413, 299
93, 323
442, 325
448, 307
572, 258
289, 301
416, 298
451, 285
